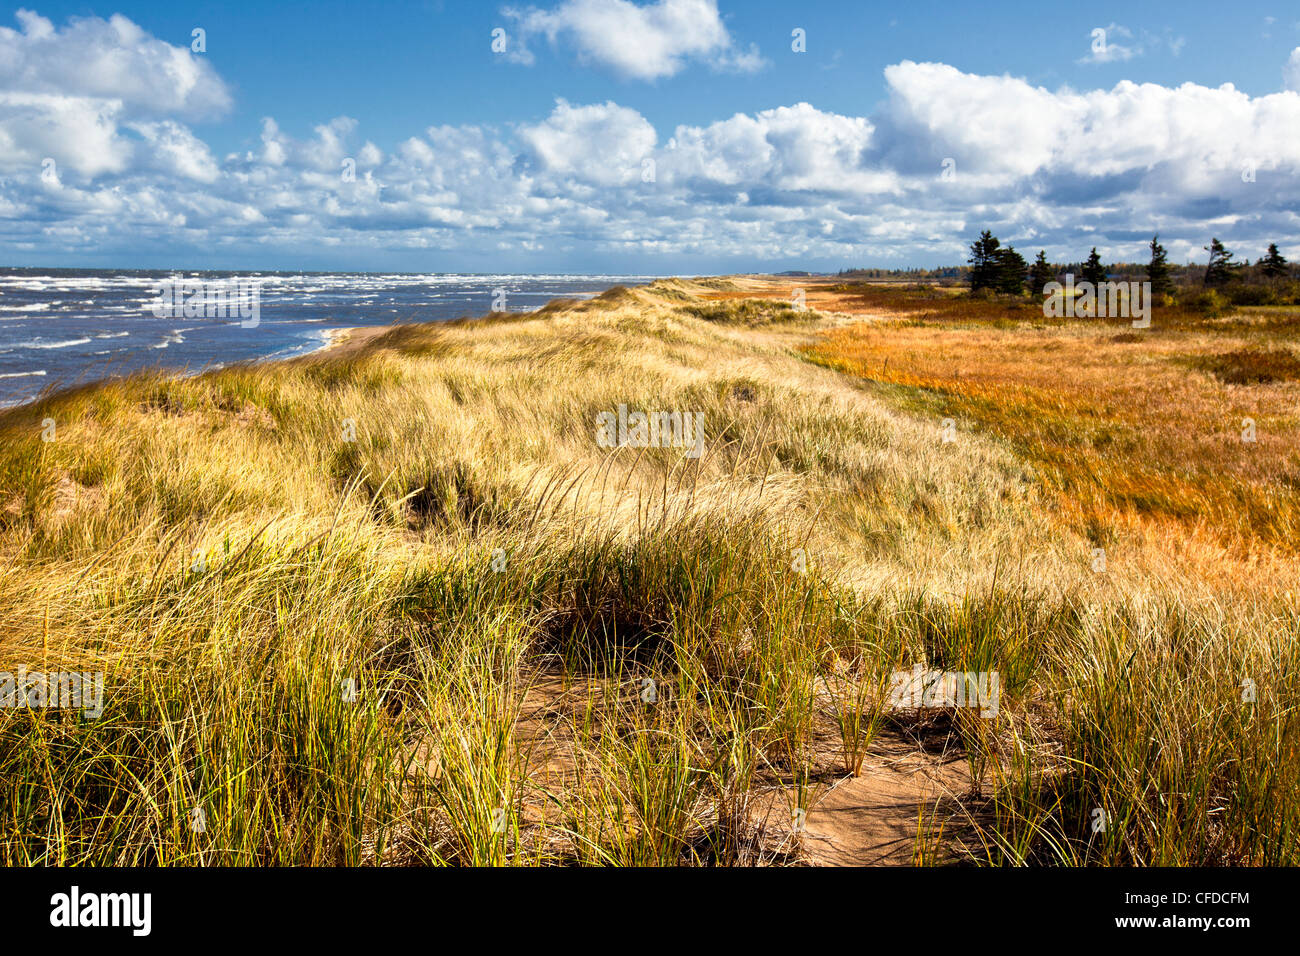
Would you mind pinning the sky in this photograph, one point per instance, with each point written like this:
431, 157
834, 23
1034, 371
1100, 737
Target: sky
674, 136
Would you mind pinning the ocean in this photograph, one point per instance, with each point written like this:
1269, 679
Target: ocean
61, 327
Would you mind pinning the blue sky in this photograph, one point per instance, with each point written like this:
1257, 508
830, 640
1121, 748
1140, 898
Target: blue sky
677, 135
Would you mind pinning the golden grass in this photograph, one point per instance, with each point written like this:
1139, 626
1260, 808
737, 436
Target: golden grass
1124, 429
431, 518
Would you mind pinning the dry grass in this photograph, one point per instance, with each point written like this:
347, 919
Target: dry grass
431, 517
1122, 429
1253, 366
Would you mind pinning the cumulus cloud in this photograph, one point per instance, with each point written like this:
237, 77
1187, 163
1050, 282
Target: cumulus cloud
946, 154
1291, 71
791, 149
70, 131
1113, 163
643, 42
109, 59
1006, 126
73, 96
605, 144
170, 148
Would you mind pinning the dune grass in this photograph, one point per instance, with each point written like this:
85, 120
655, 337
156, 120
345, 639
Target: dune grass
399, 605
1146, 445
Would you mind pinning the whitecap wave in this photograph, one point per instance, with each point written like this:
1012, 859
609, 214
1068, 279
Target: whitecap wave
37, 344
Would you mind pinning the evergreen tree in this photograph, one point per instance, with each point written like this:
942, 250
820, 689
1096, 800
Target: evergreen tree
1219, 269
1093, 271
1158, 269
1274, 265
1011, 269
1041, 273
983, 261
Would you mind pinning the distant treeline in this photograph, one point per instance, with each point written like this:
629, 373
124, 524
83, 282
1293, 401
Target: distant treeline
995, 269
907, 275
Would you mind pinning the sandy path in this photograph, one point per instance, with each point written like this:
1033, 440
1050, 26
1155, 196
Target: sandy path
878, 818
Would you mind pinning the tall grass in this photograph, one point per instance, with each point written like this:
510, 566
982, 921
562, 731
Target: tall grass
463, 633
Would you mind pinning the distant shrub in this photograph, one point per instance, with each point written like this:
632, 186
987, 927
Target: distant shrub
1253, 366
1288, 293
1242, 294
1210, 303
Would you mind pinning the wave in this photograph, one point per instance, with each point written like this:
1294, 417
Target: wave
50, 345
21, 374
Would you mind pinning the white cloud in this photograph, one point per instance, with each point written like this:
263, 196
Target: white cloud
171, 148
274, 143
416, 152
72, 95
1291, 71
109, 59
604, 144
795, 148
1006, 126
76, 132
1063, 169
643, 42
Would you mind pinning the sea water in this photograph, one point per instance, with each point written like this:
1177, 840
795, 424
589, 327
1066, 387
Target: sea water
62, 327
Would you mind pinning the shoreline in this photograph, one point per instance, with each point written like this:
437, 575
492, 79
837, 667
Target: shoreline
28, 377
371, 498
337, 342
348, 339
345, 341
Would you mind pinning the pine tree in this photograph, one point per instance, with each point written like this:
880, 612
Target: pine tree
1274, 265
1219, 269
983, 261
1158, 269
1093, 271
1041, 273
1011, 269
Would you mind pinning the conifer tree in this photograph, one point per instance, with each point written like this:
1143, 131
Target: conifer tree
983, 261
1093, 271
1011, 269
1219, 269
1158, 269
1041, 273
1274, 265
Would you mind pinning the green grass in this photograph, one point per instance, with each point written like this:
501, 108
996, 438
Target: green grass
500, 593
